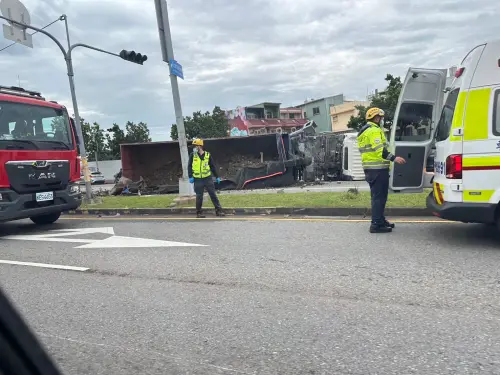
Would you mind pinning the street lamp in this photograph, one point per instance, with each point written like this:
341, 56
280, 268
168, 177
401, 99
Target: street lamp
18, 30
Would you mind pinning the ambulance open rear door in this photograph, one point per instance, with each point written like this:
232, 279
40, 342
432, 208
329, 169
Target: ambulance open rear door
415, 121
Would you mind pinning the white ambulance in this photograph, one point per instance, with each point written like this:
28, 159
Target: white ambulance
461, 125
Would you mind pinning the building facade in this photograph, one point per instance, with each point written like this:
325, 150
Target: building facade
341, 114
291, 113
263, 118
318, 110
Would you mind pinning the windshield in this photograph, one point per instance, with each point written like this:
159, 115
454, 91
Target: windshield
26, 126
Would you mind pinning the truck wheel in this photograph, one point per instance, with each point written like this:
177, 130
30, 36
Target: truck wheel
46, 219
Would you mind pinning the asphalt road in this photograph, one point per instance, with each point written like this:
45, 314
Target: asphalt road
262, 297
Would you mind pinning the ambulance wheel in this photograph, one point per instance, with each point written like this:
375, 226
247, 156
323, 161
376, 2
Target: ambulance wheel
46, 219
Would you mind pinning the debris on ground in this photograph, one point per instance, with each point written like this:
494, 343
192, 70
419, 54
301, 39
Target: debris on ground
125, 186
166, 177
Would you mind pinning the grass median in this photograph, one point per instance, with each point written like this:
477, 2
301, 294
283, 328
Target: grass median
298, 200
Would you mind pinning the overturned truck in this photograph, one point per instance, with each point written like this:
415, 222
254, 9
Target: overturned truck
254, 162
329, 156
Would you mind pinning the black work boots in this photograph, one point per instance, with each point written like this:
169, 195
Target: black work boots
218, 213
389, 224
385, 228
380, 229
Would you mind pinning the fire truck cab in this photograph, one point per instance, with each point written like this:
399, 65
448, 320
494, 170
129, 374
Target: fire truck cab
39, 163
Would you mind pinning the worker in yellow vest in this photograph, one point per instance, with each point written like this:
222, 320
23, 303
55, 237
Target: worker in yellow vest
201, 170
376, 160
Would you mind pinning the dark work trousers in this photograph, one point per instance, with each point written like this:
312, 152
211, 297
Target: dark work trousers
200, 184
378, 179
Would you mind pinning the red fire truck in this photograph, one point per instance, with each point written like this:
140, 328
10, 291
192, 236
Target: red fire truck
39, 163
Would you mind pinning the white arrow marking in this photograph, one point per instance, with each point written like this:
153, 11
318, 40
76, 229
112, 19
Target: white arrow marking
119, 241
112, 241
43, 265
49, 239
105, 230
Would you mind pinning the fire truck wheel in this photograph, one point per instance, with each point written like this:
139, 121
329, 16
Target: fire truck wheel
46, 219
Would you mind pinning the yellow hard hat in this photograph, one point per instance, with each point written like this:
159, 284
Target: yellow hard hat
198, 142
372, 112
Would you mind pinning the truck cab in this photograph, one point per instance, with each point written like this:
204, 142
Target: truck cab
39, 163
459, 123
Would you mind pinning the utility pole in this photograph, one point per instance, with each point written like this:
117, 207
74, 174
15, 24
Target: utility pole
167, 50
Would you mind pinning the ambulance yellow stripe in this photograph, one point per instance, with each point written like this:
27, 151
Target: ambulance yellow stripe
458, 116
476, 115
478, 195
481, 162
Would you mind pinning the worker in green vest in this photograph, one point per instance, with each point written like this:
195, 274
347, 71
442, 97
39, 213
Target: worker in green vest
201, 170
376, 160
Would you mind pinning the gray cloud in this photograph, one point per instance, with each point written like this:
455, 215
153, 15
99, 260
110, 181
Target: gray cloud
241, 52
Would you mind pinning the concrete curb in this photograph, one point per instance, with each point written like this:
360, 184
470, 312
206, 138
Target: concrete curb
326, 211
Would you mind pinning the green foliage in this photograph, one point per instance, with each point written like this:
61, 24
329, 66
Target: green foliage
114, 138
386, 100
107, 142
204, 125
137, 133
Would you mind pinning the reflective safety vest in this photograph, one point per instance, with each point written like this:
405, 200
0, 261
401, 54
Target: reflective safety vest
201, 168
371, 143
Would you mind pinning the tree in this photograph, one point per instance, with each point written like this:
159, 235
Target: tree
204, 125
114, 138
137, 133
107, 142
386, 100
95, 140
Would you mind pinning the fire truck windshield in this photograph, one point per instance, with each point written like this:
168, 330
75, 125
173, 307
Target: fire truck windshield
27, 126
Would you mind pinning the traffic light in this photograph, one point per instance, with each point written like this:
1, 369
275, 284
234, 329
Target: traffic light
133, 56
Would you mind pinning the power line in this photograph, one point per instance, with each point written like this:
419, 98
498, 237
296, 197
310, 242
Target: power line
43, 28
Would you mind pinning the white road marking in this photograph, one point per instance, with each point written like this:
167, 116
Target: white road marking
48, 239
43, 265
120, 242
105, 230
90, 243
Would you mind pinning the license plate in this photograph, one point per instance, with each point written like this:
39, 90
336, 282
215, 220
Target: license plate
45, 196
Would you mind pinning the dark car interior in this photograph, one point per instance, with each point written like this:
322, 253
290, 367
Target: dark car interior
20, 351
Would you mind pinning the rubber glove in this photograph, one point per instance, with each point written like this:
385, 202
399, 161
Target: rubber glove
217, 180
191, 180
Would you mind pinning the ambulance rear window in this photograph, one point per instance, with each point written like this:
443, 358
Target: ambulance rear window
496, 113
414, 122
444, 124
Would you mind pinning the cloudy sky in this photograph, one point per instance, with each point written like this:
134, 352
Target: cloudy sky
240, 52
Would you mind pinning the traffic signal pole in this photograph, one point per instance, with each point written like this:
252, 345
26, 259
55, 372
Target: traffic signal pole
168, 54
70, 72
78, 125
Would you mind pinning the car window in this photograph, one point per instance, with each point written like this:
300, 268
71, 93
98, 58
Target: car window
446, 119
496, 113
414, 122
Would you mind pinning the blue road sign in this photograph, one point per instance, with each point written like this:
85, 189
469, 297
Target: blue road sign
176, 69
